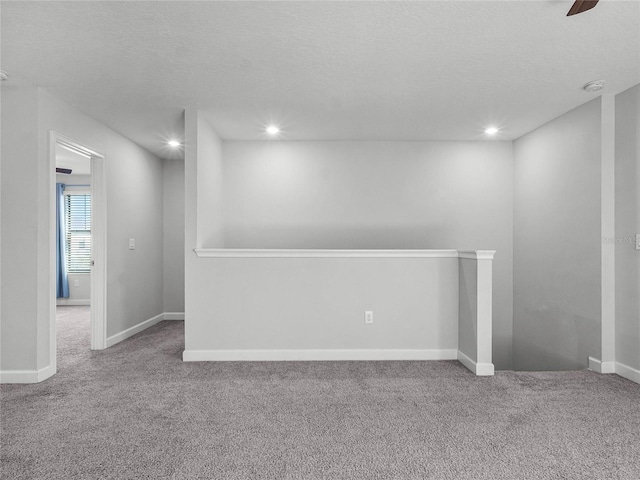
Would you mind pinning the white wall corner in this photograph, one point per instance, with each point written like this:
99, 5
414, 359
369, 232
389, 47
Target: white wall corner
479, 369
598, 366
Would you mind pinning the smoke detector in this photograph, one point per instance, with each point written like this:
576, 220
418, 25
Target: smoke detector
594, 86
3, 76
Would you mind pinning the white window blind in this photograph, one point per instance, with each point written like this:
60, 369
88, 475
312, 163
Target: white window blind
78, 218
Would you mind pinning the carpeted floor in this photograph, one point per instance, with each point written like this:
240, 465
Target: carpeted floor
137, 411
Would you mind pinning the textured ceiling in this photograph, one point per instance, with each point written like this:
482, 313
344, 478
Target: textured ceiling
78, 164
422, 70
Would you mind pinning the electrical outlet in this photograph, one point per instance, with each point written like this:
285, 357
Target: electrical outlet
132, 244
76, 283
368, 317
637, 241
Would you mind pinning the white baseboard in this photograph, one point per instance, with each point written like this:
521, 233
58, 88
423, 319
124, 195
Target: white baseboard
26, 376
480, 369
129, 332
174, 315
598, 366
314, 355
628, 372
66, 302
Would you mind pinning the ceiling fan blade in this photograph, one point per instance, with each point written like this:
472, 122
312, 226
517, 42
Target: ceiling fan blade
581, 6
63, 170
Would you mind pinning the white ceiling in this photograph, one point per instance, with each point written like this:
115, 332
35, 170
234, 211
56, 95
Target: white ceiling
79, 164
421, 70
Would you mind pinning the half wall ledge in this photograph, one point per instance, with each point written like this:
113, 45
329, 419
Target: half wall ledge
450, 300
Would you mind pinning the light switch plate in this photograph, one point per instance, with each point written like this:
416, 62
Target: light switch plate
637, 241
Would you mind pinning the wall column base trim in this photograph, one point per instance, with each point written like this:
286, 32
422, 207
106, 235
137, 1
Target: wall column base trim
174, 315
316, 355
618, 368
599, 366
27, 376
480, 369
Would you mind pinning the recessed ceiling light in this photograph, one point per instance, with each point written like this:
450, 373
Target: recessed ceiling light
3, 76
173, 143
273, 130
594, 86
491, 131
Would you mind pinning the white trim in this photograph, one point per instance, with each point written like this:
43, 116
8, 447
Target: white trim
313, 355
313, 253
628, 372
477, 254
98, 238
173, 315
480, 369
98, 281
68, 302
27, 376
598, 366
131, 331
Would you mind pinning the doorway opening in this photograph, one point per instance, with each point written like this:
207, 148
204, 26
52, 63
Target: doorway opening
78, 220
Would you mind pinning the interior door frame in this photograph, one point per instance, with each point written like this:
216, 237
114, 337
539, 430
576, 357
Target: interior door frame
98, 277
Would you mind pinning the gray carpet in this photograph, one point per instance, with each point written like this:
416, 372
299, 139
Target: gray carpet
137, 411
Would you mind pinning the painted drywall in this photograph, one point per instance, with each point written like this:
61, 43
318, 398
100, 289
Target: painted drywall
173, 208
557, 244
20, 185
376, 195
210, 225
468, 307
627, 169
203, 209
134, 210
79, 290
319, 303
73, 179
134, 206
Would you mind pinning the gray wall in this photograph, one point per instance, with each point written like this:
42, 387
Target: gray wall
377, 195
134, 209
19, 149
202, 213
556, 261
627, 225
468, 307
209, 186
173, 207
319, 303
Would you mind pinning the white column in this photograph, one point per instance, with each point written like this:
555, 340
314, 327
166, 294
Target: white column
475, 316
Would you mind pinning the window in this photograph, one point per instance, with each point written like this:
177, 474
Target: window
77, 211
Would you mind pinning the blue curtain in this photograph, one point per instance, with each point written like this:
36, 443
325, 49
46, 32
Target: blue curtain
62, 280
